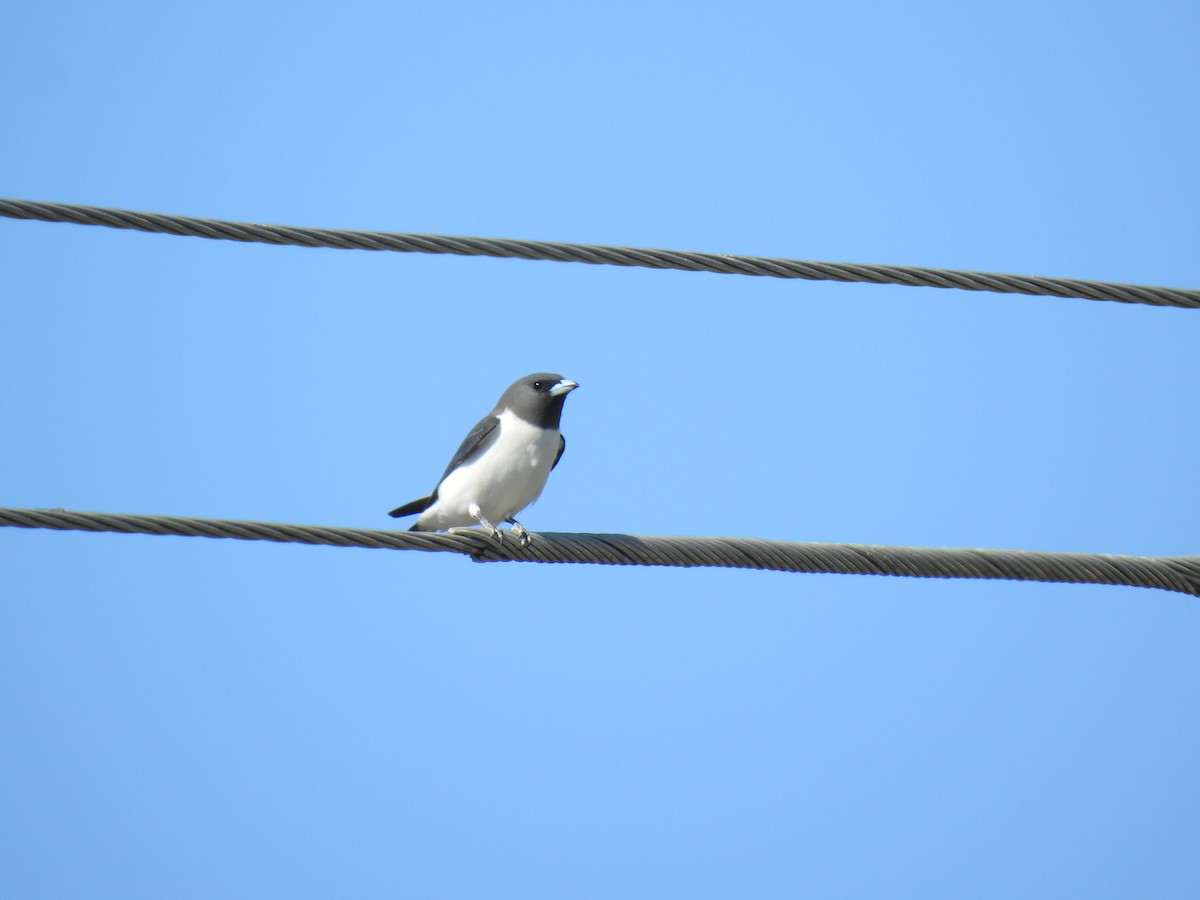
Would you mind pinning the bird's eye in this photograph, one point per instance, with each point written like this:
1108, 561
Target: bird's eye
537, 385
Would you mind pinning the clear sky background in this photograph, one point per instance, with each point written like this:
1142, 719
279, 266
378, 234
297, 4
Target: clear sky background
191, 718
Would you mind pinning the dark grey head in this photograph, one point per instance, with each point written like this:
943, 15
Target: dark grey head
537, 398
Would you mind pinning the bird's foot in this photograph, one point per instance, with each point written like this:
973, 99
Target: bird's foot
523, 536
491, 529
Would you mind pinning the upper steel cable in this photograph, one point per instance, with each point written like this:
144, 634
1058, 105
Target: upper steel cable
691, 261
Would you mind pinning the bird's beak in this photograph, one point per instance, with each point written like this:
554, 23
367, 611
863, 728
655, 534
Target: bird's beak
563, 387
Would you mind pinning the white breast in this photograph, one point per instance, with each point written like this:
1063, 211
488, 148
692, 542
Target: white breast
503, 480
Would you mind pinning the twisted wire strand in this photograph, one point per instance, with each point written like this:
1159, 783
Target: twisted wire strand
597, 254
1168, 573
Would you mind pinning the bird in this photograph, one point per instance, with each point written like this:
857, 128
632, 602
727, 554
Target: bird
502, 464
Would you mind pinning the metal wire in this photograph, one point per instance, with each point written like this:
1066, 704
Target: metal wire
722, 263
1169, 573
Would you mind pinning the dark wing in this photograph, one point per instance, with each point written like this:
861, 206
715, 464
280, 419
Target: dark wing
562, 445
477, 440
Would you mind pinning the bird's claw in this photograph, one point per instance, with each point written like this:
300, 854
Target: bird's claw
518, 530
491, 529
523, 536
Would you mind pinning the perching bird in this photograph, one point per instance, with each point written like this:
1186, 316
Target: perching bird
502, 464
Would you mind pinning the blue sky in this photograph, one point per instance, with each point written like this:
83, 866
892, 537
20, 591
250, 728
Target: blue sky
192, 718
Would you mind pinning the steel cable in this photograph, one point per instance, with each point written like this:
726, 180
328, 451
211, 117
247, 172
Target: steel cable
1169, 573
218, 229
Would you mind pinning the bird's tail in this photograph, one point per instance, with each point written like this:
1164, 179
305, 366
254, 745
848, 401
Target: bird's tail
414, 506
